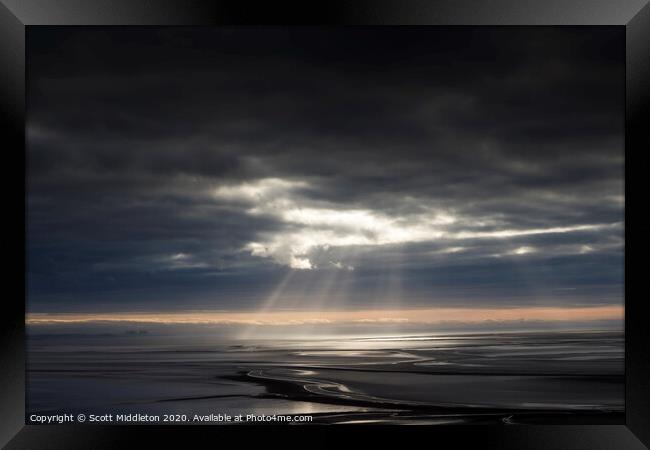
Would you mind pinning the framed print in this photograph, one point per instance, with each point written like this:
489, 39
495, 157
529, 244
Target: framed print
347, 219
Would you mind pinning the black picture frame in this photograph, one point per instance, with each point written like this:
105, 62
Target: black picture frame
16, 15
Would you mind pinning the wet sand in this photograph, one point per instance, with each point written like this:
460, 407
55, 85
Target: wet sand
426, 379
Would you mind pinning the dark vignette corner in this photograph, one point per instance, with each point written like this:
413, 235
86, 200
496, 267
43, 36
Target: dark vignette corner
637, 333
12, 118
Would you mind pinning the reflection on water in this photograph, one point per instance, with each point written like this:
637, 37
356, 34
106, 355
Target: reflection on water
510, 378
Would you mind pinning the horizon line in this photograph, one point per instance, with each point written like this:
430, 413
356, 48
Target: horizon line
368, 316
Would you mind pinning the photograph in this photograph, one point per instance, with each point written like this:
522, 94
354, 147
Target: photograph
309, 225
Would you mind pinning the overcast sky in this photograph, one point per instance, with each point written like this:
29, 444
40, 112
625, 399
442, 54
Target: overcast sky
228, 169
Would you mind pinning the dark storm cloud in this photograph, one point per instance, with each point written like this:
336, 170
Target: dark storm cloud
150, 155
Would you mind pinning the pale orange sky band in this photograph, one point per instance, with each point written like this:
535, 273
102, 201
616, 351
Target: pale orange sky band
430, 315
